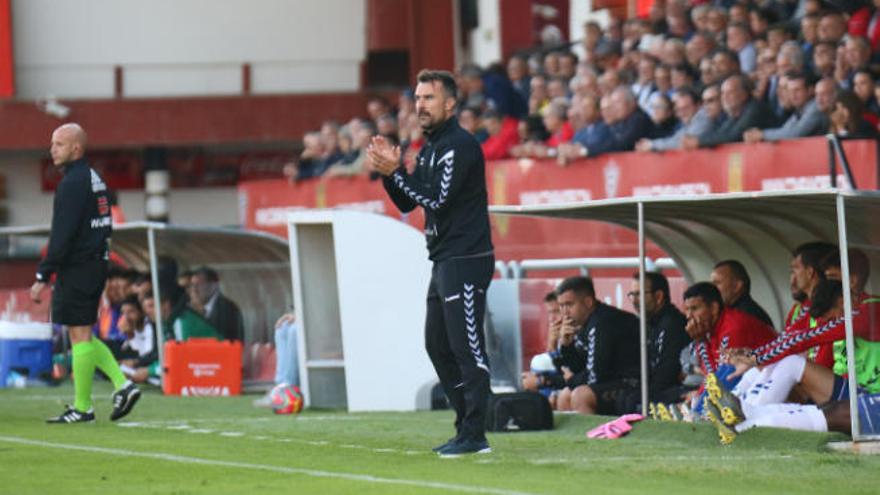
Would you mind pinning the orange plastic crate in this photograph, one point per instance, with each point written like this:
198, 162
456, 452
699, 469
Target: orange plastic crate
202, 367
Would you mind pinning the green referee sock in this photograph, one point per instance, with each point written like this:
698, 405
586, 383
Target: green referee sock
105, 362
83, 373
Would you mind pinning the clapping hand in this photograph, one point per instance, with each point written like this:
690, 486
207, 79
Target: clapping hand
382, 157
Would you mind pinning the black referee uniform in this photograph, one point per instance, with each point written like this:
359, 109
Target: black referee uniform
449, 183
78, 245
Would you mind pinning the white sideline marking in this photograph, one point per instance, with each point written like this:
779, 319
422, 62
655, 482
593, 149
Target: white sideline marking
231, 434
200, 430
366, 478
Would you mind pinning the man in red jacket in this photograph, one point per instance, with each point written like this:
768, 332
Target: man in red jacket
716, 329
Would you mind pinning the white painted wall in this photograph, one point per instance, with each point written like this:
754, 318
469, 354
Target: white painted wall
28, 205
485, 40
186, 47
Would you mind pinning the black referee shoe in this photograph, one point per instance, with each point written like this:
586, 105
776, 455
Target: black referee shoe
124, 400
71, 415
447, 444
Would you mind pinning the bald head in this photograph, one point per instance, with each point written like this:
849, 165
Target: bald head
68, 144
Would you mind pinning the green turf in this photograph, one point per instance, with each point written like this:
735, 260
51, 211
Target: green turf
325, 452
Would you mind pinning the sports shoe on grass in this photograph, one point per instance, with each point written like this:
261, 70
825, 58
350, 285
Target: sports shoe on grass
465, 446
726, 403
71, 415
443, 446
124, 400
663, 413
726, 433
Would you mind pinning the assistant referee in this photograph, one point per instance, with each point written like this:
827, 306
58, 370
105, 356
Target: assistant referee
78, 254
449, 184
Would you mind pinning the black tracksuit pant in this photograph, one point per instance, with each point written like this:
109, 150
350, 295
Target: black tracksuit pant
455, 340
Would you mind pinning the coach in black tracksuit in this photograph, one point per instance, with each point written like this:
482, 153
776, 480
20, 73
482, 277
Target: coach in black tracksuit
449, 184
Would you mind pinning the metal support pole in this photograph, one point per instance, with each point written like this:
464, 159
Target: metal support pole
847, 307
832, 161
643, 324
157, 298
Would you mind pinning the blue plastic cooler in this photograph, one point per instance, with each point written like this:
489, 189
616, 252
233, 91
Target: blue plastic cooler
25, 347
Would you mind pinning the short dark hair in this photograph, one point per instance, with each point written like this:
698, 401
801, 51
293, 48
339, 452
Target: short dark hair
164, 297
738, 271
658, 282
824, 297
812, 253
706, 291
580, 285
858, 262
550, 296
444, 77
209, 273
132, 300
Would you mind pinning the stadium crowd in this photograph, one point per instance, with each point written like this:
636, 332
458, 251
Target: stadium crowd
721, 359
691, 74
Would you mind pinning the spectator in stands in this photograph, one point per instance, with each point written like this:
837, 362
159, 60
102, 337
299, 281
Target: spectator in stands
826, 93
807, 119
470, 83
832, 27
717, 22
220, 311
673, 53
847, 117
502, 135
857, 55
608, 81
789, 60
470, 120
591, 132
644, 86
666, 339
864, 22
824, 59
739, 40
361, 131
377, 106
742, 112
330, 138
680, 77
662, 116
777, 35
663, 81
707, 72
694, 121
809, 34
556, 122
568, 62
386, 125
715, 328
140, 349
311, 163
557, 87
733, 282
699, 47
863, 87
538, 97
518, 73
599, 355
700, 18
764, 73
725, 63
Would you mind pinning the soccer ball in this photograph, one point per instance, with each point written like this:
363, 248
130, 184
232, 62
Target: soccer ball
286, 399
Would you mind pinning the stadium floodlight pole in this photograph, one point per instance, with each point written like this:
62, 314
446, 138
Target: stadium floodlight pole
643, 325
157, 300
847, 319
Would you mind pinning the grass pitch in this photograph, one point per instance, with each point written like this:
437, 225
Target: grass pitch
225, 446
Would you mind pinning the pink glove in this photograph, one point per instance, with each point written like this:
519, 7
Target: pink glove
616, 428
